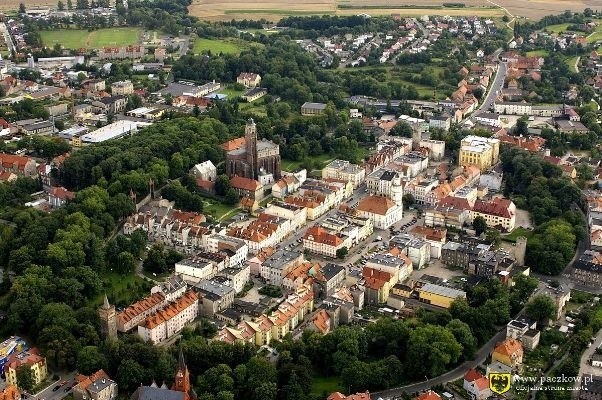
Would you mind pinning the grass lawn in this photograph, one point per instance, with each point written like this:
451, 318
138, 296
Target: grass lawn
325, 385
226, 46
290, 165
230, 92
540, 52
117, 285
256, 108
519, 231
78, 38
216, 209
557, 28
594, 37
571, 63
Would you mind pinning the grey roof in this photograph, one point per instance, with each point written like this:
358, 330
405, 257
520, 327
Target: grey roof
442, 290
331, 270
99, 385
317, 106
153, 393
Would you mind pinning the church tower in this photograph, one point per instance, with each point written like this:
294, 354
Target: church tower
251, 148
108, 319
182, 381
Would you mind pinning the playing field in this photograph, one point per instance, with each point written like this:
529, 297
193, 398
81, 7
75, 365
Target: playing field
79, 38
218, 10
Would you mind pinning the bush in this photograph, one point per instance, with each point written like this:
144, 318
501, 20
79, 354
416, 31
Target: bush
271, 291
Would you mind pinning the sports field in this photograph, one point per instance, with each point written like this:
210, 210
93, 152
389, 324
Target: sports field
79, 38
218, 10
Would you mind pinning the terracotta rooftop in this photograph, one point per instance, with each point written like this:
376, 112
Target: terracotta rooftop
171, 311
509, 347
321, 235
498, 206
238, 182
140, 307
375, 205
234, 144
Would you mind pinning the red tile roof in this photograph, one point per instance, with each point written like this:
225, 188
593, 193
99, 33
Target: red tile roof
375, 205
238, 182
498, 206
234, 144
320, 235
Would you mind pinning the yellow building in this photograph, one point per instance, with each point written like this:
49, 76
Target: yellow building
509, 352
32, 359
402, 290
479, 151
440, 296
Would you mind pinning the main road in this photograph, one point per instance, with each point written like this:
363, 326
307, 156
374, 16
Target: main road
494, 89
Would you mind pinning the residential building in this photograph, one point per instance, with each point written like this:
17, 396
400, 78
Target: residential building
249, 79
344, 170
440, 122
320, 241
476, 385
309, 109
509, 352
513, 108
479, 151
488, 118
253, 94
30, 359
97, 386
524, 330
235, 249
428, 395
440, 296
383, 211
377, 285
213, 297
499, 213
328, 278
120, 53
246, 187
59, 196
276, 267
560, 296
133, 315
123, 88
18, 165
238, 277
357, 396
13, 344
265, 231
296, 214
417, 250
110, 105
436, 147
10, 392
170, 320
534, 144
399, 265
435, 237
289, 184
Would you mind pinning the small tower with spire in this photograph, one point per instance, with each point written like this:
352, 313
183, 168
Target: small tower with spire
108, 319
182, 381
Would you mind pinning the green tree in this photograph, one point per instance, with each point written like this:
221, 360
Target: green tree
231, 197
402, 129
129, 374
22, 8
342, 252
408, 200
25, 378
522, 126
125, 263
61, 5
479, 224
222, 184
540, 308
431, 349
90, 359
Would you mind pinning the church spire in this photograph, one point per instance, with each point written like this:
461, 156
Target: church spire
181, 362
106, 302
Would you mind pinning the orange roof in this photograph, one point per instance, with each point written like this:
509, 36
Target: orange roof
62, 193
29, 357
238, 182
322, 321
171, 311
84, 381
10, 392
320, 235
341, 396
482, 383
498, 206
234, 144
375, 279
472, 375
10, 160
375, 205
429, 395
531, 143
509, 347
140, 307
434, 234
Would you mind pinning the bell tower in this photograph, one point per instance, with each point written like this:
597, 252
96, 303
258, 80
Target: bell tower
251, 147
182, 381
108, 319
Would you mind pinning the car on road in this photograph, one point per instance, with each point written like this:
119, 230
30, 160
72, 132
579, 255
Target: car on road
57, 387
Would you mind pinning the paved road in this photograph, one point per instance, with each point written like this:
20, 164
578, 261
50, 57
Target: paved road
494, 88
452, 375
49, 394
585, 367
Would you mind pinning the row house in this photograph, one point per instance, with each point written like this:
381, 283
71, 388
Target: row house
266, 230
386, 151
417, 249
120, 53
266, 328
296, 214
394, 262
235, 249
18, 165
133, 315
323, 242
170, 320
288, 184
214, 297
278, 265
435, 237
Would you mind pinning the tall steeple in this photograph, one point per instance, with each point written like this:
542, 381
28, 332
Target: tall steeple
251, 148
106, 302
182, 381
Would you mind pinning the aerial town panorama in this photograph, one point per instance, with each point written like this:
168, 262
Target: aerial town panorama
309, 200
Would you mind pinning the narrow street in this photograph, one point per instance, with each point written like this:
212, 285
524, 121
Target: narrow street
585, 368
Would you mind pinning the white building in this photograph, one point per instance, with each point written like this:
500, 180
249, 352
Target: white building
237, 249
344, 170
491, 119
122, 88
440, 122
170, 320
513, 108
112, 131
296, 214
205, 171
437, 148
383, 211
193, 270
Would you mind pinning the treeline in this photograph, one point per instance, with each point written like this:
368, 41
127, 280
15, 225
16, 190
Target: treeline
553, 202
303, 27
524, 29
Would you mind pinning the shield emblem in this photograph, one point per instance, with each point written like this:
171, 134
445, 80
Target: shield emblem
499, 382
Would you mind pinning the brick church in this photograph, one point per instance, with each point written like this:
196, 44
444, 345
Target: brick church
252, 158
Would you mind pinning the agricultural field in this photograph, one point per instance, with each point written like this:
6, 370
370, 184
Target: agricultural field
226, 46
276, 9
79, 38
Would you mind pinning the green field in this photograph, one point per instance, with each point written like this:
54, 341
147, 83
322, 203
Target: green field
325, 385
540, 52
226, 46
518, 231
79, 38
290, 165
571, 63
594, 37
216, 209
557, 28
